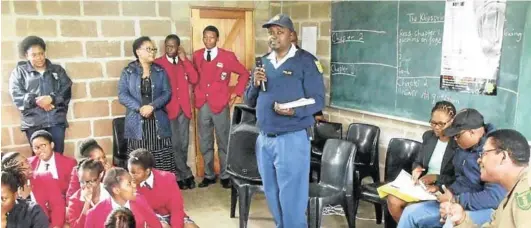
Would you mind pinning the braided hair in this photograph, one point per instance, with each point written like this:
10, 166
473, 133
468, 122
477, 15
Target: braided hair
120, 218
13, 174
444, 106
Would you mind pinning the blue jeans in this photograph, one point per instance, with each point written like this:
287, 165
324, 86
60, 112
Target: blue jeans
58, 136
426, 214
284, 165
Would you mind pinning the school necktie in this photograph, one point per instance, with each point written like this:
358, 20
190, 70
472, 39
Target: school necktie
209, 58
46, 166
174, 61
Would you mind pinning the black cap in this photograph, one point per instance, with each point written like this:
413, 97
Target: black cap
41, 133
282, 20
466, 119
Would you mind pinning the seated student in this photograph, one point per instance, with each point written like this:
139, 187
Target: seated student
89, 148
434, 162
153, 184
38, 188
121, 218
122, 189
18, 212
91, 193
45, 160
477, 197
504, 160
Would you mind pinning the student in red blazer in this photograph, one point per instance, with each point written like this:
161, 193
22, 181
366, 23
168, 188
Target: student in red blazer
122, 189
45, 160
89, 148
215, 66
182, 75
154, 185
92, 192
39, 189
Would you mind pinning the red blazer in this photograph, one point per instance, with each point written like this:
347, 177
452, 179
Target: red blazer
180, 76
214, 78
73, 212
74, 184
64, 167
162, 202
143, 213
48, 195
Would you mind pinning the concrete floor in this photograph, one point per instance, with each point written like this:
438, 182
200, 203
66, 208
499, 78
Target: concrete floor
210, 207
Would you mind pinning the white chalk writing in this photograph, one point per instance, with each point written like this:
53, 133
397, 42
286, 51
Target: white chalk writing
512, 33
424, 18
346, 37
418, 88
344, 69
431, 37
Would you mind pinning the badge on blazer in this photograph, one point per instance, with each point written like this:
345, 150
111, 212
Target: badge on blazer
287, 72
523, 200
220, 65
319, 66
223, 75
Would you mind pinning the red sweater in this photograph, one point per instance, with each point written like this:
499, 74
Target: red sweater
48, 195
214, 78
162, 202
64, 167
73, 212
181, 76
143, 213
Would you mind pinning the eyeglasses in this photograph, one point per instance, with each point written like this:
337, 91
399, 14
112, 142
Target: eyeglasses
438, 124
151, 49
487, 151
39, 147
90, 182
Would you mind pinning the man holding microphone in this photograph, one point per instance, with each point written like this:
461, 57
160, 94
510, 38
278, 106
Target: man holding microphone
283, 146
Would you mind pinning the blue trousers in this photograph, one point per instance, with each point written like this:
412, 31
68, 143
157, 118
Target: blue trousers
426, 214
284, 165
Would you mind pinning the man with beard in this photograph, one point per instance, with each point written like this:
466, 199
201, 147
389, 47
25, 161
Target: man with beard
282, 148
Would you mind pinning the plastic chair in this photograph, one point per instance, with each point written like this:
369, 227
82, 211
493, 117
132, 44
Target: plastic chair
401, 154
337, 182
119, 143
322, 131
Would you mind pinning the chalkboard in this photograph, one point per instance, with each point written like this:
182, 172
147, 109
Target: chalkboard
386, 59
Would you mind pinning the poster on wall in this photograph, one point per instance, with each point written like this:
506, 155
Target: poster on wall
471, 47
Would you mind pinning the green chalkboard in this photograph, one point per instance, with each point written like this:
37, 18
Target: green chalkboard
386, 58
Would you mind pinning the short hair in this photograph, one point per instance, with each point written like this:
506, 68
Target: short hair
88, 145
138, 43
113, 177
43, 134
211, 28
12, 174
29, 42
91, 165
173, 37
142, 157
121, 217
444, 106
514, 143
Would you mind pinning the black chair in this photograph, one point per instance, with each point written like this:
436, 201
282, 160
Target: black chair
322, 131
367, 137
401, 154
119, 143
337, 182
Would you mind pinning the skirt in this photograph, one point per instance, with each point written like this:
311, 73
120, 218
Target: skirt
161, 148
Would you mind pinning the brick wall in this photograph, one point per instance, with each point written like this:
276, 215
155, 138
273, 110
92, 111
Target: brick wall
92, 40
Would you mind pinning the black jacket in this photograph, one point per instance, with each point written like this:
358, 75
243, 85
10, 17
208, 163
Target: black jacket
25, 84
429, 141
26, 214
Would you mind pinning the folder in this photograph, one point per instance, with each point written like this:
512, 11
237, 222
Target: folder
403, 188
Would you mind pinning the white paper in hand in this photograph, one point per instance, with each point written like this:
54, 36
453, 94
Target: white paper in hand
298, 103
404, 184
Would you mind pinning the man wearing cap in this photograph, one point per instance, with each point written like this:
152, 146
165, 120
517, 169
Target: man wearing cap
283, 145
478, 198
213, 99
504, 160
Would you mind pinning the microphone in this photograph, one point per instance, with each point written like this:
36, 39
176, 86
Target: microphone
258, 63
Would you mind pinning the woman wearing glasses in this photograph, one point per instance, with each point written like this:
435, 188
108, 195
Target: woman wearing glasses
91, 192
433, 166
144, 90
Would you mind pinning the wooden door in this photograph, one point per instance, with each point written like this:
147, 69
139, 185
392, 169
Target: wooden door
236, 33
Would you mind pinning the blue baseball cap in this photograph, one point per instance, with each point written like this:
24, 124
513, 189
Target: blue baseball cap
281, 20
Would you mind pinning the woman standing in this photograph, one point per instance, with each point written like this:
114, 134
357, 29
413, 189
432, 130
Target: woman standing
41, 91
144, 90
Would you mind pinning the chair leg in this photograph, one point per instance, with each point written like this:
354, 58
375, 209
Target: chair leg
350, 206
244, 198
233, 201
315, 211
378, 210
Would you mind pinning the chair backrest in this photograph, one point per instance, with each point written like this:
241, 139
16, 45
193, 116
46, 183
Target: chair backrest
337, 163
366, 138
119, 143
243, 114
401, 154
324, 130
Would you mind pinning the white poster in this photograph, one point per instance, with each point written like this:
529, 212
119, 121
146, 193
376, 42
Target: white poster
471, 47
309, 39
